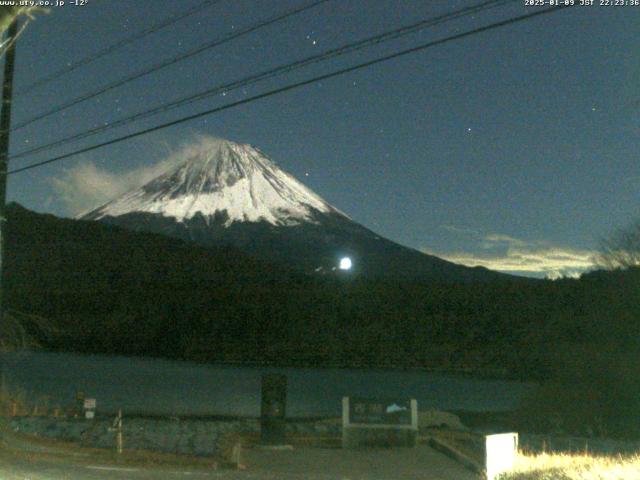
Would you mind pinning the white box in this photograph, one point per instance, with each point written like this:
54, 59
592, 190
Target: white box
501, 451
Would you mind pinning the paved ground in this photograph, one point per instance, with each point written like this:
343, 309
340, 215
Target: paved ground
421, 462
302, 463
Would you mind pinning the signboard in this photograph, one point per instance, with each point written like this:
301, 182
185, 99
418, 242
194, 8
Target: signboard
379, 411
379, 422
89, 403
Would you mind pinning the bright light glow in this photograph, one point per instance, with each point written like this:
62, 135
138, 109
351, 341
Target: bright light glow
501, 450
345, 263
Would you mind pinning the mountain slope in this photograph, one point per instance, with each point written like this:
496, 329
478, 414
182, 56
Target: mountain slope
224, 193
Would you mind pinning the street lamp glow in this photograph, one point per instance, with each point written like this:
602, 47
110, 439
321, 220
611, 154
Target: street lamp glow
345, 263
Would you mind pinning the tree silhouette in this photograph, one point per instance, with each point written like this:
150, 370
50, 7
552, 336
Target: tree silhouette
621, 250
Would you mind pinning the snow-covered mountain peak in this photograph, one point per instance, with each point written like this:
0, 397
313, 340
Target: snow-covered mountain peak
217, 176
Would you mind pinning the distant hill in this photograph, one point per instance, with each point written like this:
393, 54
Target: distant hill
113, 290
110, 290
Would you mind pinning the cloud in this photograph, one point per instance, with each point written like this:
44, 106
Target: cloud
493, 240
513, 255
457, 229
552, 262
87, 186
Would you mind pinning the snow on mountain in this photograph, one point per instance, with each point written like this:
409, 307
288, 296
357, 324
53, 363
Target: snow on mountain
221, 193
222, 176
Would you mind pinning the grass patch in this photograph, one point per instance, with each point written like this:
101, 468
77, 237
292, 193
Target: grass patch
549, 466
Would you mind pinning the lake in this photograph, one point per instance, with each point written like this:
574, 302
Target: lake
164, 387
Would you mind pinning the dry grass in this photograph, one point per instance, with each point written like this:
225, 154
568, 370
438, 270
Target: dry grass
550, 466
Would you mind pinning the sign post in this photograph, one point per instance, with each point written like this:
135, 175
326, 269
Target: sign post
89, 408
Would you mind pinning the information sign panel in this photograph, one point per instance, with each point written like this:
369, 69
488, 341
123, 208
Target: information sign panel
380, 411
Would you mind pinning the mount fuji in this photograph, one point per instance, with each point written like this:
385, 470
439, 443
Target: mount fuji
225, 193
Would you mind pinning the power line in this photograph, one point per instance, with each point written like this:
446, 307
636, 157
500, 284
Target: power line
117, 46
166, 63
293, 86
264, 75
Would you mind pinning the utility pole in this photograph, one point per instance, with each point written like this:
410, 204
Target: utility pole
5, 127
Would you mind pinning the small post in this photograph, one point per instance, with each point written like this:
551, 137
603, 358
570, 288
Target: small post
117, 426
120, 431
79, 407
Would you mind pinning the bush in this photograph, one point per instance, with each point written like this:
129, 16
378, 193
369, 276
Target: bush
593, 392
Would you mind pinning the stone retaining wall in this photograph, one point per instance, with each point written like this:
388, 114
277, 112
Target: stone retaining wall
171, 435
182, 436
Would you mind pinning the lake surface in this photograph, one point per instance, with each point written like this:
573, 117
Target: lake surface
163, 387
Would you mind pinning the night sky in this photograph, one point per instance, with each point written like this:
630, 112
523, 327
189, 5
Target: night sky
514, 148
